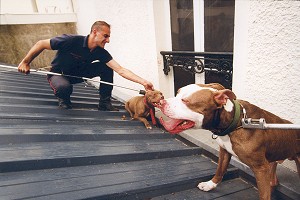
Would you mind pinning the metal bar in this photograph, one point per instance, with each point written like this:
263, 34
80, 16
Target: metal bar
193, 53
34, 71
219, 64
261, 124
282, 126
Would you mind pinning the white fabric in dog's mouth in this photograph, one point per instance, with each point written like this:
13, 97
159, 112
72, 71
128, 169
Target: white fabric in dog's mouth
175, 126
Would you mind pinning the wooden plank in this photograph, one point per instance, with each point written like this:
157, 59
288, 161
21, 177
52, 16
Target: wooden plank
35, 112
31, 151
60, 112
15, 136
36, 94
28, 156
51, 102
131, 125
43, 84
110, 181
21, 90
227, 190
16, 122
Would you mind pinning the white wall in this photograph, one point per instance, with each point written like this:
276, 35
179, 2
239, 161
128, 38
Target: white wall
266, 47
132, 43
267, 55
36, 11
163, 43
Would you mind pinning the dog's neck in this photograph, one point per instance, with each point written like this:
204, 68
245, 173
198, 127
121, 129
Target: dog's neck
148, 104
225, 121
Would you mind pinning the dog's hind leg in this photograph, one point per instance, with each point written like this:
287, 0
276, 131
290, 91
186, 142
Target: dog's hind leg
128, 109
273, 177
297, 161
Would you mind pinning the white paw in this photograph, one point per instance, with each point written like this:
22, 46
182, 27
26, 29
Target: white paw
207, 186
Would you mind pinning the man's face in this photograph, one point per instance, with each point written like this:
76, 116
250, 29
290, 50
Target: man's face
102, 36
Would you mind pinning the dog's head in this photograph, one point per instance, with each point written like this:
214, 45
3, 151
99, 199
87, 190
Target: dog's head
194, 106
153, 97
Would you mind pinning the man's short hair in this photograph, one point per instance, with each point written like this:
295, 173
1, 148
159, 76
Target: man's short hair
98, 24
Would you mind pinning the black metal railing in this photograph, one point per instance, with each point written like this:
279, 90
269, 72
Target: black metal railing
214, 63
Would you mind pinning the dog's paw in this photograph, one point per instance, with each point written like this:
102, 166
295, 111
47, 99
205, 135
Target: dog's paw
207, 186
149, 127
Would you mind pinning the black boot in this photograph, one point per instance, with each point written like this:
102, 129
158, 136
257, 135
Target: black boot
64, 103
105, 105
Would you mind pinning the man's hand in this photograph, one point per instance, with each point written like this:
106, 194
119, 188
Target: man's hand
33, 52
24, 68
148, 86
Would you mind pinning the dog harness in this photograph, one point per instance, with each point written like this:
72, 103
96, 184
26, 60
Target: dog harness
151, 108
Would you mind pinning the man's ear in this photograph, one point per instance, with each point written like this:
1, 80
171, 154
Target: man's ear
221, 96
94, 31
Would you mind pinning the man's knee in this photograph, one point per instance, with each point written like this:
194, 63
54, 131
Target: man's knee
64, 90
61, 87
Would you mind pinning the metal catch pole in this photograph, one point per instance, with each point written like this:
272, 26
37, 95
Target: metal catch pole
261, 124
143, 92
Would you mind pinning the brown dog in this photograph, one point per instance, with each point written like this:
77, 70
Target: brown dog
140, 107
214, 108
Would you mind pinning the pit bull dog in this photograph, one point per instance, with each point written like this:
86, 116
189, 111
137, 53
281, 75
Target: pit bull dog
212, 107
139, 107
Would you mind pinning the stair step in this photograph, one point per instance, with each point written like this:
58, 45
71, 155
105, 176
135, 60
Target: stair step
125, 180
46, 155
229, 189
83, 153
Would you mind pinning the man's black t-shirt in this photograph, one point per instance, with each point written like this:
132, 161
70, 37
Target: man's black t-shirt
73, 55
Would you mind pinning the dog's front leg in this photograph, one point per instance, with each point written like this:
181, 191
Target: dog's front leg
223, 162
145, 121
263, 179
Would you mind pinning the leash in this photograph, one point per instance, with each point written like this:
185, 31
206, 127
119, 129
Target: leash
37, 71
151, 111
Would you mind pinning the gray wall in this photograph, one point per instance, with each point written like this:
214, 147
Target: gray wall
16, 41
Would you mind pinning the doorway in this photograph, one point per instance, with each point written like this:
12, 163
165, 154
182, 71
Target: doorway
182, 31
218, 31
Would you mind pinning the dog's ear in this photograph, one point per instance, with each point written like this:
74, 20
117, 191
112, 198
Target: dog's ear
221, 96
216, 86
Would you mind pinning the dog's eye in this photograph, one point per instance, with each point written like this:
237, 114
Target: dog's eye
185, 101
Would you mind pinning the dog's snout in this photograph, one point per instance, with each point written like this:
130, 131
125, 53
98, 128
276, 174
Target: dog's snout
162, 101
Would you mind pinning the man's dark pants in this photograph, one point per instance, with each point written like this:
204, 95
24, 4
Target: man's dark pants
62, 86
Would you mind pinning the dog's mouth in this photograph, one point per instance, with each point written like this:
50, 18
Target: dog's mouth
175, 126
156, 104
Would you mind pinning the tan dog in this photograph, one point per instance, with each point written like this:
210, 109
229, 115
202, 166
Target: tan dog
214, 108
140, 107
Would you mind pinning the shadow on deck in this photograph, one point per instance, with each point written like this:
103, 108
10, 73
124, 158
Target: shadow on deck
83, 153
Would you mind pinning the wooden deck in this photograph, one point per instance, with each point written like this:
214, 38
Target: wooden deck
83, 153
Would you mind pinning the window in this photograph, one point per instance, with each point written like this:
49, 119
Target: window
218, 25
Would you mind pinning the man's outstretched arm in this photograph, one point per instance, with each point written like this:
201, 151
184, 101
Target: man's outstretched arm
126, 73
24, 66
